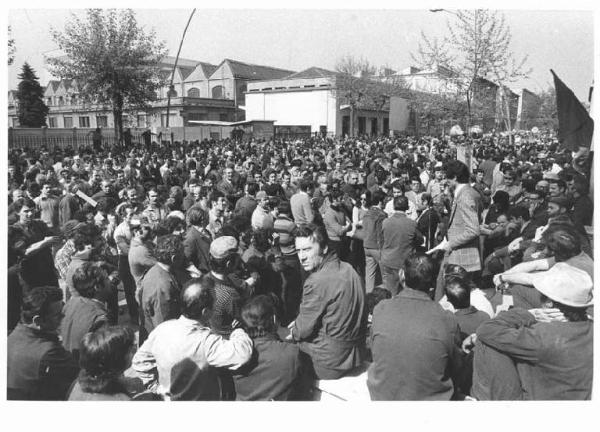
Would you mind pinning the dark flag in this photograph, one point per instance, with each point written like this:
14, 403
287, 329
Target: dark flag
575, 126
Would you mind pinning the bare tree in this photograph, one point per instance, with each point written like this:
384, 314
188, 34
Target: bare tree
477, 50
360, 86
12, 48
353, 84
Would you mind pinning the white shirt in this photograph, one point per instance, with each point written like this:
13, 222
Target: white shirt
411, 213
478, 300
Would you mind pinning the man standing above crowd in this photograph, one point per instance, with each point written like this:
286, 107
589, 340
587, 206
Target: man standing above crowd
462, 244
331, 324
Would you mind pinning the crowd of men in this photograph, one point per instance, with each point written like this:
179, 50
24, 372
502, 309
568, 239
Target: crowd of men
253, 270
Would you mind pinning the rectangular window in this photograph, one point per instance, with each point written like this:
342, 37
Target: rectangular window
68, 122
223, 117
84, 122
101, 121
163, 120
52, 122
141, 121
197, 116
362, 125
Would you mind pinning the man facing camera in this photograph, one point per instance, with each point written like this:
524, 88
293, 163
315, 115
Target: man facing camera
332, 321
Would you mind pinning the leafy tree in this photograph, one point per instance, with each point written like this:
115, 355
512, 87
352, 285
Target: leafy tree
32, 110
112, 59
11, 47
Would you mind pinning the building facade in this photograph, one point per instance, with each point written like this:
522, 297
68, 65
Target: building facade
201, 91
312, 99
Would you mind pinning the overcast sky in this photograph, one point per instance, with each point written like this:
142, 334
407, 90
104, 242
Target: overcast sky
298, 39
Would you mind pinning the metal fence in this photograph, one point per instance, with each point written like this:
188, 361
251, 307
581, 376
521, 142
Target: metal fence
75, 138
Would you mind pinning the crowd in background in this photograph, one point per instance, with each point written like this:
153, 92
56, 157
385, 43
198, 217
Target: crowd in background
228, 270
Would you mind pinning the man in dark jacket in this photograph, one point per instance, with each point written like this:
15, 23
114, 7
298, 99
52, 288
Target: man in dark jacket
331, 325
415, 343
540, 354
196, 243
87, 311
273, 370
39, 368
373, 240
400, 239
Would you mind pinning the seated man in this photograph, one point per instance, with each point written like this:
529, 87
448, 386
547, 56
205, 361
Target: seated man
458, 292
477, 297
179, 358
332, 322
273, 371
542, 354
562, 245
415, 343
39, 368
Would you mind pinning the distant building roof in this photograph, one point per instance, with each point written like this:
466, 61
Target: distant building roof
312, 72
53, 84
201, 71
186, 71
256, 72
181, 62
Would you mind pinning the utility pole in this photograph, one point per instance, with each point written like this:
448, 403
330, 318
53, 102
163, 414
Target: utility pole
175, 67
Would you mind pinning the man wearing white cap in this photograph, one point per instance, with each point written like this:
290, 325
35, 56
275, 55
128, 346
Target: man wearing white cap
550, 348
562, 245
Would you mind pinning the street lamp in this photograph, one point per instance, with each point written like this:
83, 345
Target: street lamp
443, 10
171, 89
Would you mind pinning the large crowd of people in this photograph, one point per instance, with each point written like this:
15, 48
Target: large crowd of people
258, 270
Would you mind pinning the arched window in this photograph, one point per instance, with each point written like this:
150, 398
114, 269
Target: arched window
172, 93
193, 92
218, 92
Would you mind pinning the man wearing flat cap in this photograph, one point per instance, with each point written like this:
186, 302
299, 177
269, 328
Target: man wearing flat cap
228, 298
539, 354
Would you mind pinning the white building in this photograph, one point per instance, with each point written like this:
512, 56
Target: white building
309, 98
